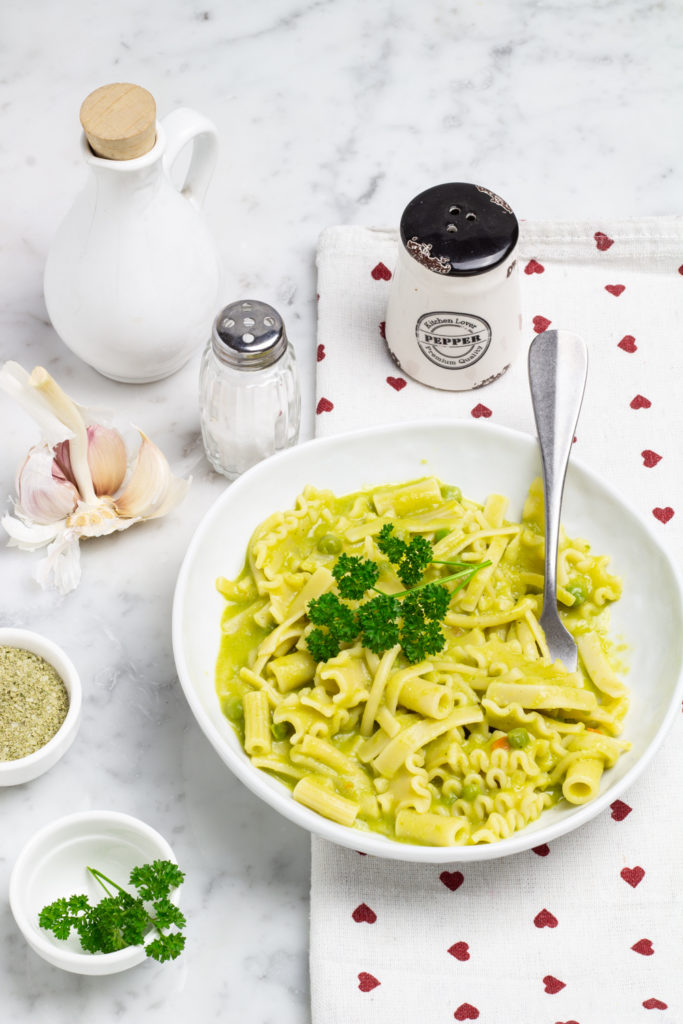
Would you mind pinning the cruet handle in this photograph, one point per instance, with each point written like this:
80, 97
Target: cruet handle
180, 128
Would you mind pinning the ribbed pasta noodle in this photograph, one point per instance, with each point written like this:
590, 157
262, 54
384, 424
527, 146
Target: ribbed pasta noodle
467, 746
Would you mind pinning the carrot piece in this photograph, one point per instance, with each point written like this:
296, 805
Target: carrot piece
500, 744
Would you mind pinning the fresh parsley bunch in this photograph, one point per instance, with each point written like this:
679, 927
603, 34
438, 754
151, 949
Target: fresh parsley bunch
411, 618
121, 919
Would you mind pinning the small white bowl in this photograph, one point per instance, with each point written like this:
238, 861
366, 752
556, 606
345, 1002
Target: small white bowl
54, 863
23, 769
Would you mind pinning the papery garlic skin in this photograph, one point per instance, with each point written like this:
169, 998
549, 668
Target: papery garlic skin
152, 490
43, 496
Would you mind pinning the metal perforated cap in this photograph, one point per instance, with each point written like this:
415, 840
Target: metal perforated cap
249, 334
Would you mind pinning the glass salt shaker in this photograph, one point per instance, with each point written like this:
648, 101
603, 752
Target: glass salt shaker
250, 405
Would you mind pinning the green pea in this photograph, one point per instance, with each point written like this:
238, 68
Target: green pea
450, 493
234, 709
440, 534
578, 590
280, 730
518, 738
329, 544
470, 791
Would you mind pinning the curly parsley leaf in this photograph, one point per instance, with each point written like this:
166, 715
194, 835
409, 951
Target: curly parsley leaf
121, 919
378, 622
390, 545
322, 645
411, 559
411, 618
355, 576
328, 610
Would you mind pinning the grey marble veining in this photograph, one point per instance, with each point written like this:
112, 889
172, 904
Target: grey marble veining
329, 111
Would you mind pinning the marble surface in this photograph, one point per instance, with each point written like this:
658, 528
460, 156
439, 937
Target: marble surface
328, 112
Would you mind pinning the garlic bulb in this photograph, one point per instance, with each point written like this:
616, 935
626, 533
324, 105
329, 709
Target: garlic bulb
82, 481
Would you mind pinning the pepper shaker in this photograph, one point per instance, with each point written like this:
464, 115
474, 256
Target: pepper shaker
454, 314
250, 403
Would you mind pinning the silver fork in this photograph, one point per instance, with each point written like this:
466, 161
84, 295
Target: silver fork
558, 365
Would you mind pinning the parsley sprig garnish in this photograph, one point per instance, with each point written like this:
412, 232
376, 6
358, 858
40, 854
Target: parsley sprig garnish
411, 618
121, 919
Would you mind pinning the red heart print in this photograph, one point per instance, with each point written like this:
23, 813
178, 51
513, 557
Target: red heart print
655, 1004
397, 383
553, 985
663, 514
452, 879
460, 950
534, 267
481, 410
650, 458
466, 1012
640, 402
633, 876
620, 810
566, 1022
366, 982
541, 324
381, 273
644, 947
628, 343
383, 329
364, 913
324, 405
320, 355
680, 269
541, 851
603, 241
544, 919
615, 289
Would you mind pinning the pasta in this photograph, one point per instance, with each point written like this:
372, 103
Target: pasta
464, 746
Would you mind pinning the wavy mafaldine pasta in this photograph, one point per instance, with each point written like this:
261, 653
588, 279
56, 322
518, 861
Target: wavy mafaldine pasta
464, 747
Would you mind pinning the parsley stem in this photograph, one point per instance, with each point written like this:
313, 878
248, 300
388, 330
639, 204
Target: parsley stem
468, 572
460, 565
99, 876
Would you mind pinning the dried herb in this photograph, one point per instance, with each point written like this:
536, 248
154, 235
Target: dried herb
33, 702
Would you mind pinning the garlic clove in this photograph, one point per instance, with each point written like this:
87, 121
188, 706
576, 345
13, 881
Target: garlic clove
150, 485
43, 497
62, 469
107, 459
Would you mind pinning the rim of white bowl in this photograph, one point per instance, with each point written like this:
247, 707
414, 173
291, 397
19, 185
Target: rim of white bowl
370, 842
76, 962
33, 765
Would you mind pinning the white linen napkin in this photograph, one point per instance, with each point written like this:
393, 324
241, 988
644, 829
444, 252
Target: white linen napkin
588, 929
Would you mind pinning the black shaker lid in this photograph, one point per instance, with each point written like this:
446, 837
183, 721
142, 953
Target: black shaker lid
459, 229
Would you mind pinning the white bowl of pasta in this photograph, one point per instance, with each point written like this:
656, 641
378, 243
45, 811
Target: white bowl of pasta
400, 723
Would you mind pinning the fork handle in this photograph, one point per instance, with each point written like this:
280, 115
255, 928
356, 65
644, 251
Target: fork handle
558, 365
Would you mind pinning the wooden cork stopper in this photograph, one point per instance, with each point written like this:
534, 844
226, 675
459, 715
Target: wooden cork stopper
119, 121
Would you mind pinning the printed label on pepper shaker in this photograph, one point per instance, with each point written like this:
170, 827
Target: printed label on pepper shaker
453, 340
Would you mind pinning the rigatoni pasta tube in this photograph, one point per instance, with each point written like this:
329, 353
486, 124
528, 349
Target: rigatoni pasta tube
257, 735
432, 829
426, 698
582, 780
292, 670
312, 792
